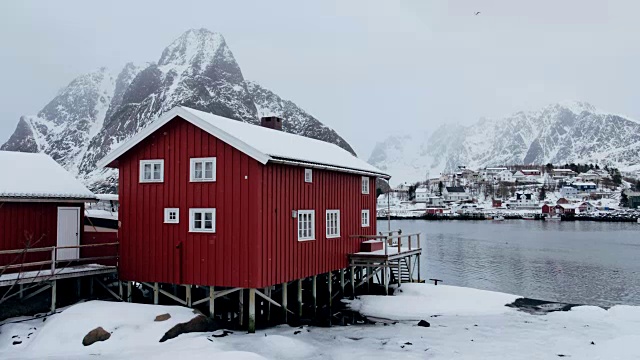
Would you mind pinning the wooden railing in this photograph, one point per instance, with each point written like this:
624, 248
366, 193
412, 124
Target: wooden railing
393, 239
54, 261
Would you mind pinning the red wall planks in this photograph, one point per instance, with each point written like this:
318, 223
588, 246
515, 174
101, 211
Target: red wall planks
255, 244
34, 223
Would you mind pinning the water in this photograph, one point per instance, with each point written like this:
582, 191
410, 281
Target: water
592, 263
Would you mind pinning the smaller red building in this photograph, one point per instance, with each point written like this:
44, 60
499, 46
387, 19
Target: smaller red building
41, 205
548, 209
566, 209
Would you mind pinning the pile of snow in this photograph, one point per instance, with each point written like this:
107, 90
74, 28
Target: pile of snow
465, 324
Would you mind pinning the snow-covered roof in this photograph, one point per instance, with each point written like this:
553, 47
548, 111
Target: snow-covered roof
107, 197
584, 184
261, 143
37, 176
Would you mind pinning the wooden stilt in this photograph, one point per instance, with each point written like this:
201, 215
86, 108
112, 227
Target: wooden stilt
241, 307
368, 279
330, 289
399, 273
252, 311
21, 291
129, 294
155, 293
342, 281
54, 285
267, 291
284, 300
299, 298
385, 271
353, 282
78, 283
211, 301
314, 281
91, 286
120, 290
187, 291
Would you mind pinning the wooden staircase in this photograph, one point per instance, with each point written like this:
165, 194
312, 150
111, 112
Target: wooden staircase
404, 271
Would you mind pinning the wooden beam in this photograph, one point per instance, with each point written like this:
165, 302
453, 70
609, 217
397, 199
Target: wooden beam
212, 299
129, 294
252, 310
54, 286
300, 298
342, 281
45, 287
353, 283
314, 281
155, 293
284, 301
187, 289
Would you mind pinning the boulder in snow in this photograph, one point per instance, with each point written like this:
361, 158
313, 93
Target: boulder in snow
163, 317
95, 335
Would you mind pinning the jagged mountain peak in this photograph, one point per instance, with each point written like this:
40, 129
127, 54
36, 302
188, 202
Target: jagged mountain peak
196, 47
563, 132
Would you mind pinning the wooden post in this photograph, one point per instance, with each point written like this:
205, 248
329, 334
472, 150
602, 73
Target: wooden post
187, 291
53, 295
314, 281
129, 294
353, 282
385, 270
284, 300
342, 281
267, 292
252, 311
241, 307
212, 301
330, 290
21, 291
418, 256
155, 293
399, 272
120, 288
300, 298
369, 280
78, 288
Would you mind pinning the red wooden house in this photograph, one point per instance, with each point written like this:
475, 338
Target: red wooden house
207, 200
41, 205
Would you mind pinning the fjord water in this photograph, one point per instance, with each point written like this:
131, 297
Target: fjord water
593, 263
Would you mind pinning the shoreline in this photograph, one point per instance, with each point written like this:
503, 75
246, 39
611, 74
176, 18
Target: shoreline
537, 217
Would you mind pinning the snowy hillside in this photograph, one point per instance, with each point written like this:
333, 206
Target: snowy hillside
98, 111
559, 133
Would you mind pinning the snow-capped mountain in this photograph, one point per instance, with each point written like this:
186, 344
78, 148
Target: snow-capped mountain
98, 111
560, 133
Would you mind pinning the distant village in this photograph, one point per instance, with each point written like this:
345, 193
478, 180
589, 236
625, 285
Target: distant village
529, 192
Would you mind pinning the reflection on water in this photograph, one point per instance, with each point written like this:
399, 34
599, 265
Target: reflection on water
574, 262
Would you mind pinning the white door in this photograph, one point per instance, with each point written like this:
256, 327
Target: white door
68, 232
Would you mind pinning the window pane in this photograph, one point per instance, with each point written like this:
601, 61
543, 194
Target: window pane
197, 224
156, 171
197, 167
147, 171
208, 170
208, 224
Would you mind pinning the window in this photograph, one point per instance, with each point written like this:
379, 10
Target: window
333, 223
203, 169
365, 218
365, 185
171, 215
151, 170
202, 220
308, 175
306, 225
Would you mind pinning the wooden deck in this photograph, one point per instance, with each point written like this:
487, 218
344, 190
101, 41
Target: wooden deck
32, 277
396, 262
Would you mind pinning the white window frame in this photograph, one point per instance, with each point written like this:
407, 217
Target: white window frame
328, 222
167, 215
152, 162
365, 185
364, 217
308, 175
203, 161
202, 211
311, 234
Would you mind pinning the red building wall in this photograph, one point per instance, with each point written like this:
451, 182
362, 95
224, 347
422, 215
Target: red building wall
30, 222
255, 243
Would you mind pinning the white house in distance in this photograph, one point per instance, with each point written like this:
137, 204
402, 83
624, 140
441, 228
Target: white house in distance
569, 192
504, 176
422, 194
524, 200
490, 172
455, 193
531, 172
585, 187
564, 174
435, 201
519, 175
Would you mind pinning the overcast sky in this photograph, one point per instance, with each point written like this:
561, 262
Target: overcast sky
365, 68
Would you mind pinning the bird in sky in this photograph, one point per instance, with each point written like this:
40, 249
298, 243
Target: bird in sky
477, 13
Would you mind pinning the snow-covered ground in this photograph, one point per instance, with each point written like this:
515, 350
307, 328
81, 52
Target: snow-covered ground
465, 324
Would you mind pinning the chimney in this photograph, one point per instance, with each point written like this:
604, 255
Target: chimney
271, 122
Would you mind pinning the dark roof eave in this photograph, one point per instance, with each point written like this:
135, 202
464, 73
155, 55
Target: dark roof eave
296, 162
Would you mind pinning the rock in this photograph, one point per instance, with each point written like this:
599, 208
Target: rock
199, 323
95, 335
222, 333
593, 343
424, 323
163, 317
17, 342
